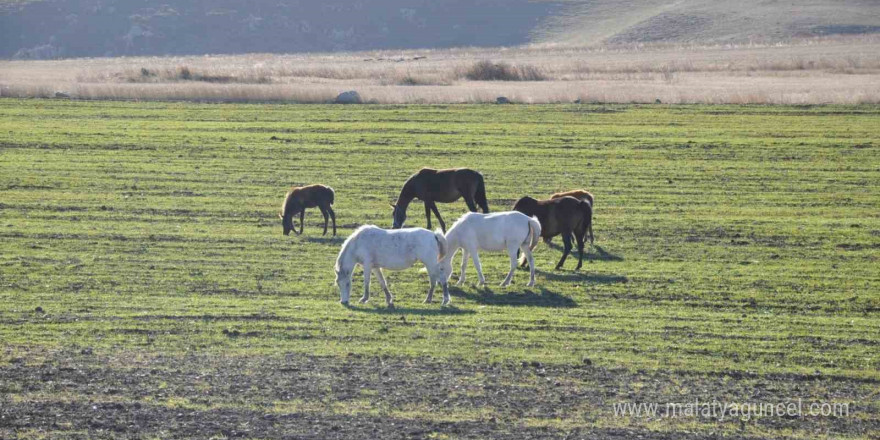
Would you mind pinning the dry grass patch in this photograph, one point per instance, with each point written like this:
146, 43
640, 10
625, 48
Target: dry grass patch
813, 71
184, 73
489, 71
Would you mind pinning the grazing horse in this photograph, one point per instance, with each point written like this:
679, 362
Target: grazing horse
565, 215
579, 194
375, 249
444, 186
511, 231
302, 197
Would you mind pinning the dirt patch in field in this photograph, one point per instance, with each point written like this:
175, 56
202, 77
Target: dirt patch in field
77, 393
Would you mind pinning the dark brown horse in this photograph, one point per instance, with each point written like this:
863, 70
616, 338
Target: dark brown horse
582, 195
565, 215
302, 197
443, 186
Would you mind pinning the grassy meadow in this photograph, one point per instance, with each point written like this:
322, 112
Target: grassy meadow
146, 289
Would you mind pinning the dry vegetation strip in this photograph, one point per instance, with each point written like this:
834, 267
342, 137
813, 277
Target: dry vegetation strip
829, 70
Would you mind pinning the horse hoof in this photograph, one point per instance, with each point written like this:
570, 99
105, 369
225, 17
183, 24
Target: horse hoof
390, 305
531, 284
429, 301
363, 301
345, 303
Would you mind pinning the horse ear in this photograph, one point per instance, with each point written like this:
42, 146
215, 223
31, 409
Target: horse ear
392, 205
281, 216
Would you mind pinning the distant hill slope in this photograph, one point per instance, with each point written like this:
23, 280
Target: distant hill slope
68, 28
591, 22
75, 28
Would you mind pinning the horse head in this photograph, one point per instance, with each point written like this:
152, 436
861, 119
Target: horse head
398, 215
286, 223
526, 205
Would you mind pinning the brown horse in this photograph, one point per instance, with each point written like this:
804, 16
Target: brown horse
576, 193
444, 186
582, 195
565, 215
302, 197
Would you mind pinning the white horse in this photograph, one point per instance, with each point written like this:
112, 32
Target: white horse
375, 249
510, 230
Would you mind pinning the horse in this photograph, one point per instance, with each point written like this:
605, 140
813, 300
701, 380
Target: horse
492, 232
579, 194
375, 249
444, 186
565, 215
302, 197
576, 193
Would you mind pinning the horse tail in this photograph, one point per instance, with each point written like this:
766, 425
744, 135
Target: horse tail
480, 196
534, 232
442, 244
332, 195
532, 238
587, 225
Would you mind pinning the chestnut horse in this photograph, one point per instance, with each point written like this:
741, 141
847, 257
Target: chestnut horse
302, 197
444, 186
579, 194
565, 215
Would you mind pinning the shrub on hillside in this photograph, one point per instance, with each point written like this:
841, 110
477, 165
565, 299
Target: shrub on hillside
489, 71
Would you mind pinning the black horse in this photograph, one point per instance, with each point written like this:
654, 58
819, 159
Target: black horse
443, 186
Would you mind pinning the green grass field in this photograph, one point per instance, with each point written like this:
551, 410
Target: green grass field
146, 289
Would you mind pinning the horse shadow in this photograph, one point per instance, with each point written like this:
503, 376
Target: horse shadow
325, 239
528, 297
582, 276
600, 253
448, 310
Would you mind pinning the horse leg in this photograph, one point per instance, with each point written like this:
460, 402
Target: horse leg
333, 217
435, 274
326, 218
479, 267
430, 298
367, 270
531, 260
580, 242
302, 217
428, 214
464, 258
566, 240
469, 200
439, 219
523, 261
511, 252
388, 298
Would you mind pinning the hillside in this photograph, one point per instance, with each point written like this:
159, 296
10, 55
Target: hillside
76, 28
73, 28
591, 22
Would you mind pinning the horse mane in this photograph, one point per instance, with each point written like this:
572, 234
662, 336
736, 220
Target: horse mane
347, 242
290, 194
460, 219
